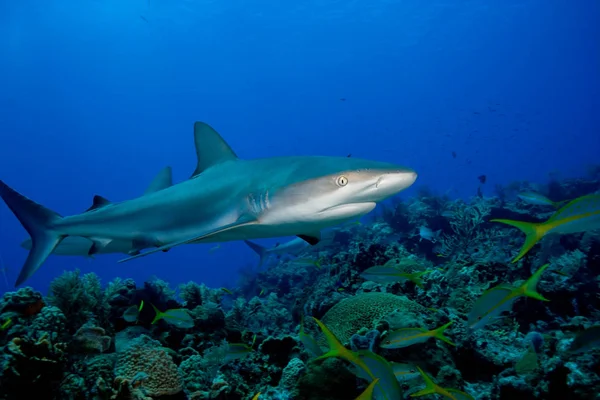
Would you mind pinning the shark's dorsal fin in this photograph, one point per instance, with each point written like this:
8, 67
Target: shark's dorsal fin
98, 202
163, 180
211, 149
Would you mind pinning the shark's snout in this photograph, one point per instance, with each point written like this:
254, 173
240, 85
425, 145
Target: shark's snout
396, 181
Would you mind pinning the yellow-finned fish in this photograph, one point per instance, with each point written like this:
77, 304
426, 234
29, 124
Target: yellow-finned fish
368, 393
408, 336
539, 199
433, 388
178, 317
499, 299
404, 372
579, 215
389, 274
256, 396
229, 292
5, 324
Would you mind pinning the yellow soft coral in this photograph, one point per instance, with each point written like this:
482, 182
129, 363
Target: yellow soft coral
364, 311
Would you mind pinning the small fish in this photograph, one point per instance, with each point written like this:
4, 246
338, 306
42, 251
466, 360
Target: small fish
579, 215
408, 336
256, 396
404, 372
307, 262
561, 273
5, 324
308, 341
262, 291
428, 234
368, 393
448, 214
229, 292
586, 340
178, 317
539, 199
453, 154
213, 249
385, 274
433, 388
340, 289
253, 341
237, 350
132, 313
528, 363
482, 178
499, 299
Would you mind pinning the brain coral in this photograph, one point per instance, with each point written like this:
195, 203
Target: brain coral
144, 355
364, 311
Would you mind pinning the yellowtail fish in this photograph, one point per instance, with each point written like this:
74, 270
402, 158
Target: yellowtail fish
236, 351
501, 298
586, 340
579, 215
433, 388
368, 393
227, 291
178, 317
253, 340
404, 372
5, 324
256, 396
213, 249
307, 262
336, 349
408, 336
262, 291
309, 342
539, 199
132, 313
388, 274
388, 387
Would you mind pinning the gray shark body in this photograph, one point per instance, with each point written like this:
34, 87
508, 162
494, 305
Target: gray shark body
226, 199
82, 246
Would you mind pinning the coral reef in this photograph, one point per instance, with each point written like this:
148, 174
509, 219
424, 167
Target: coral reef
76, 344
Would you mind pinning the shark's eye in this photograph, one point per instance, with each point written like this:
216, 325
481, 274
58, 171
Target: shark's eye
341, 180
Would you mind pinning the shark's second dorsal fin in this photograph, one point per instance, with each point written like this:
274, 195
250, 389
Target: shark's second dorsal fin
163, 180
98, 202
211, 149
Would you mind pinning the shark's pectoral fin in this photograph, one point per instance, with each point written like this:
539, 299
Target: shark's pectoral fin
242, 221
165, 250
312, 238
98, 202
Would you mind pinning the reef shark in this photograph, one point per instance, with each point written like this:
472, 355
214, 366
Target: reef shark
80, 246
226, 199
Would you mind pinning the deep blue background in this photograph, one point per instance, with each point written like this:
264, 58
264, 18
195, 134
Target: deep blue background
97, 95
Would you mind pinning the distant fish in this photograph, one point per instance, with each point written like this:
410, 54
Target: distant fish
428, 234
5, 324
501, 298
229, 292
293, 247
306, 262
539, 199
178, 317
448, 214
214, 248
236, 351
408, 336
133, 312
482, 178
586, 340
388, 274
453, 154
579, 215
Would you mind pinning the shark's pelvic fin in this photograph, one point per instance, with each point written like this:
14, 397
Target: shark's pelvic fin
98, 245
242, 221
163, 180
98, 202
258, 249
38, 221
312, 239
211, 148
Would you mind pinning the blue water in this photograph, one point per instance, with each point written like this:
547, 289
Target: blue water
96, 96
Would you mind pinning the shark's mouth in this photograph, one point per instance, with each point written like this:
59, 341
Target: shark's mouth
348, 210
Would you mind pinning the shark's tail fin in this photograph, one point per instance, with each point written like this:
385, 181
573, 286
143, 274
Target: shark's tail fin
258, 249
39, 222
